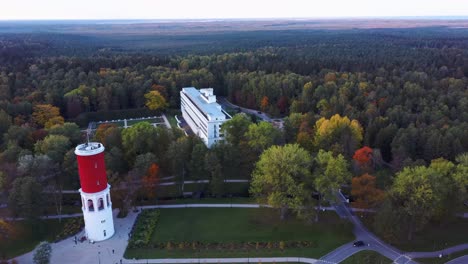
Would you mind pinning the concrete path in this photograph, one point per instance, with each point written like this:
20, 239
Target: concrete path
435, 254
460, 260
168, 125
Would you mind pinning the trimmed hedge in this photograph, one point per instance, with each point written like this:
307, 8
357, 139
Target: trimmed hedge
244, 246
84, 118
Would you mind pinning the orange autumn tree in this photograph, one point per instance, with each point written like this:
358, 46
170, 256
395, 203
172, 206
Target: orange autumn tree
151, 180
46, 115
365, 191
363, 157
264, 103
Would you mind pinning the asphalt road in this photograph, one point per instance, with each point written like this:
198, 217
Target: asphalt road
363, 234
224, 102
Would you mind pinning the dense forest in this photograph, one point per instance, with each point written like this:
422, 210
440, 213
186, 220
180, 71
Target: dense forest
399, 94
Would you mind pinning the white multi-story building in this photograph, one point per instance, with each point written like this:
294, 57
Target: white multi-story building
203, 114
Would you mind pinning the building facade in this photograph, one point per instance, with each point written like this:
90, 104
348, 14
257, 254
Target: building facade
203, 114
96, 202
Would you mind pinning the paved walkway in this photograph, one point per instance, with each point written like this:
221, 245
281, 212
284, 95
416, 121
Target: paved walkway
435, 254
460, 260
168, 125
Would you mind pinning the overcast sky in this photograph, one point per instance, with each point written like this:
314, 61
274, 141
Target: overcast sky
186, 9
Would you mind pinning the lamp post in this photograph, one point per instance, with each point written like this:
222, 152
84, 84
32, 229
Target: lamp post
99, 257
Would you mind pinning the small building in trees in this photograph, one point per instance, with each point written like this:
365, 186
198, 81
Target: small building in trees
203, 114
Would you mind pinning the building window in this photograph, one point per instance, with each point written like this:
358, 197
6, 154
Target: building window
100, 204
104, 233
90, 205
107, 200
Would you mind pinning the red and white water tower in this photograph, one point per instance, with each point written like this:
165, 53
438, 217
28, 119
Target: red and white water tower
95, 192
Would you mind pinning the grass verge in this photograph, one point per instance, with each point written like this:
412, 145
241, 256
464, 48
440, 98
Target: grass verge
367, 257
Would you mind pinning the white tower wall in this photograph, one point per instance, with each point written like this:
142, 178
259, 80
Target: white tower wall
97, 213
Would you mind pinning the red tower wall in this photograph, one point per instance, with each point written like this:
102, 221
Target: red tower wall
92, 170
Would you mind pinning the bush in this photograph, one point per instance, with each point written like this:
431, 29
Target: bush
42, 254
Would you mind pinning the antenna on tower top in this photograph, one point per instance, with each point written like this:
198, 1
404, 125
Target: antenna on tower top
90, 130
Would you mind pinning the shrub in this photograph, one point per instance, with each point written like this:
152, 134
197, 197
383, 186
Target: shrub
42, 254
282, 245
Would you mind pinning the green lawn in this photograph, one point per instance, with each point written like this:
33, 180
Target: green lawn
209, 200
27, 236
237, 226
367, 257
152, 120
170, 113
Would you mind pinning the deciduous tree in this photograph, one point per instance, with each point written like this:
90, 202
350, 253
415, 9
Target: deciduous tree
279, 177
330, 173
365, 192
151, 180
261, 136
155, 101
338, 133
46, 115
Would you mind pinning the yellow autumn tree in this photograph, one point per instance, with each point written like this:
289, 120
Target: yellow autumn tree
155, 101
46, 115
338, 134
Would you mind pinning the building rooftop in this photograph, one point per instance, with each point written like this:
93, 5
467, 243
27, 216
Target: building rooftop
206, 102
89, 149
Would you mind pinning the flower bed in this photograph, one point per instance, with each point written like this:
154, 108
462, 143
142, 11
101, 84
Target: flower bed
72, 227
144, 228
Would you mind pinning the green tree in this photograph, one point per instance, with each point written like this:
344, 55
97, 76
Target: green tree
25, 198
69, 130
155, 101
330, 173
236, 128
54, 146
5, 122
70, 169
197, 162
261, 136
139, 139
179, 154
279, 177
213, 166
413, 191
